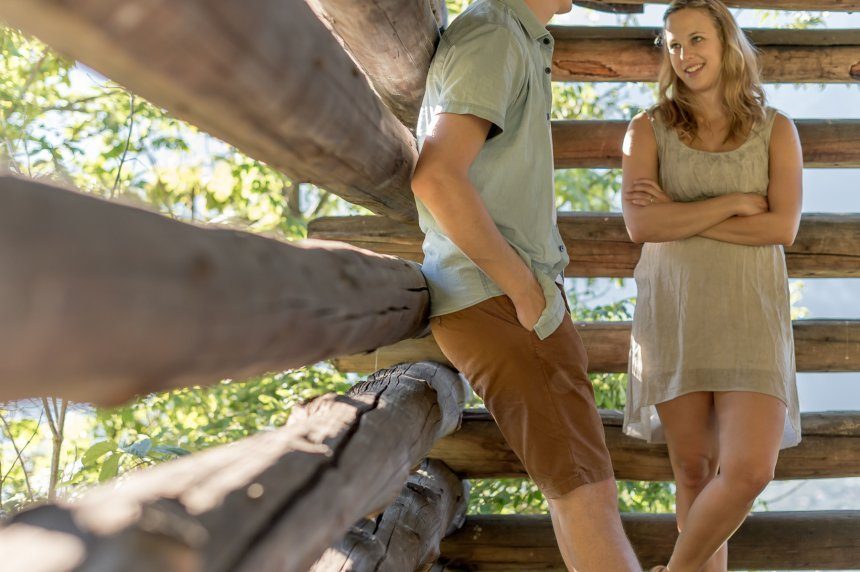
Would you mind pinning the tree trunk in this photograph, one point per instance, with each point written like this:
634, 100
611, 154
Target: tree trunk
809, 540
820, 345
827, 245
393, 41
830, 448
407, 535
100, 302
274, 501
592, 53
268, 78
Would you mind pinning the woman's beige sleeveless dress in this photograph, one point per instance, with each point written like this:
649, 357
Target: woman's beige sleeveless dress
710, 315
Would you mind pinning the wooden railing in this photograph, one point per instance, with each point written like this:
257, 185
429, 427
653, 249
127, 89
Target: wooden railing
100, 302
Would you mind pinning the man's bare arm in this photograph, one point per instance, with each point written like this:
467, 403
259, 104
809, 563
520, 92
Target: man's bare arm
441, 182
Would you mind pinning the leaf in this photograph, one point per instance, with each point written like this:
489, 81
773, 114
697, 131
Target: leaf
110, 468
171, 450
140, 449
95, 452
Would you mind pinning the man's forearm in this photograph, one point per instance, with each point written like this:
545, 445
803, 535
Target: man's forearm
460, 212
758, 230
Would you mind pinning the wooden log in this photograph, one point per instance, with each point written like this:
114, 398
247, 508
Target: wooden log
827, 245
612, 8
99, 302
815, 5
269, 79
273, 501
406, 536
592, 53
830, 448
802, 540
820, 346
393, 41
597, 143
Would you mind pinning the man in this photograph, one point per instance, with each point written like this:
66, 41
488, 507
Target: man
493, 258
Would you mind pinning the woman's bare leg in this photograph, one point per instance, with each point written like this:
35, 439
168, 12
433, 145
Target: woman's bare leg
690, 424
750, 427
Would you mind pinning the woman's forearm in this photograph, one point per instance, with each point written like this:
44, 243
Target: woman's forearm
665, 222
758, 230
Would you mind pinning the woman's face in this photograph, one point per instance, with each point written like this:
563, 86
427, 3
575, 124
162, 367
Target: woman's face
695, 49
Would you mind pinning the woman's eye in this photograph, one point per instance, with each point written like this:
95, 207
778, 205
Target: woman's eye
698, 38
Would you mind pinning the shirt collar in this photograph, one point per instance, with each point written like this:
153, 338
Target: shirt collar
527, 18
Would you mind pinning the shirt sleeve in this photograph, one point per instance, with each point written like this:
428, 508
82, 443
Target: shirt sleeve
482, 75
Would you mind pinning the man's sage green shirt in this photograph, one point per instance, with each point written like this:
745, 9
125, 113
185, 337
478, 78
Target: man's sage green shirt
494, 62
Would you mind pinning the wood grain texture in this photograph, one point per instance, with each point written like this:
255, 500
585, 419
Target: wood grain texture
820, 346
827, 245
592, 53
827, 143
269, 79
393, 42
407, 535
830, 448
809, 540
100, 302
273, 501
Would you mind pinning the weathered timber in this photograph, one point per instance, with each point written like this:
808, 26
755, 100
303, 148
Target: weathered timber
406, 536
273, 501
393, 41
803, 540
830, 448
99, 301
827, 245
597, 143
613, 8
590, 53
823, 5
270, 79
820, 345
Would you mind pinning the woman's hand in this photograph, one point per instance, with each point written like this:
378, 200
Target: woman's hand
750, 204
645, 192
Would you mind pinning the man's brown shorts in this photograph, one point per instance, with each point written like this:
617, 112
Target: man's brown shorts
538, 391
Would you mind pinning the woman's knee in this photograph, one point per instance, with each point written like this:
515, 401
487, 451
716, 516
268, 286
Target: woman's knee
748, 480
694, 470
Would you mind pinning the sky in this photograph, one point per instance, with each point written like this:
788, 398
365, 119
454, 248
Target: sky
825, 191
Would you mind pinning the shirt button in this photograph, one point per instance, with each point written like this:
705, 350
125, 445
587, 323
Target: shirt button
546, 41
547, 70
561, 249
547, 116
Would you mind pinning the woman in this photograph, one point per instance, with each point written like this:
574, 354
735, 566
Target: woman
712, 187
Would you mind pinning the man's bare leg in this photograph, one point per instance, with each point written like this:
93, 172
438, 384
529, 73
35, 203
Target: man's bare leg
588, 530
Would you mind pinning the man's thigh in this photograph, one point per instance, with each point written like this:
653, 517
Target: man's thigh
538, 391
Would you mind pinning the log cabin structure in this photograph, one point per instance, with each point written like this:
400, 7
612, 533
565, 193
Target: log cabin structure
327, 91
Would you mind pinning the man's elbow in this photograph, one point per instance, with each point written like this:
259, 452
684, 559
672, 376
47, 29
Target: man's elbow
425, 183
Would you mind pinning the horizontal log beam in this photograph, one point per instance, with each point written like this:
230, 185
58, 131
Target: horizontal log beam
407, 535
820, 346
826, 143
269, 79
815, 5
393, 41
273, 501
810, 540
100, 302
827, 245
830, 448
592, 53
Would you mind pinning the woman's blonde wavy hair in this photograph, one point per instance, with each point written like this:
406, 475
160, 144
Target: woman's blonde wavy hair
740, 77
